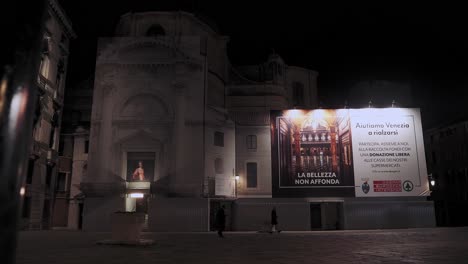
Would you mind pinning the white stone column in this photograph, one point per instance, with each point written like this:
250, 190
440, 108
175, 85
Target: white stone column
79, 171
106, 138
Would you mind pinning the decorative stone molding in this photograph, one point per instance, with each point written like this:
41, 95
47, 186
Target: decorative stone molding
142, 123
153, 68
100, 189
107, 88
133, 43
138, 135
251, 117
117, 46
179, 87
58, 11
161, 99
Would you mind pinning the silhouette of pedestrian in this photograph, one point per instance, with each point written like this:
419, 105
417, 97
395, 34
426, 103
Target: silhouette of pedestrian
220, 220
274, 220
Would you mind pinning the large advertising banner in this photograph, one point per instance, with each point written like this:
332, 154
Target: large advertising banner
348, 152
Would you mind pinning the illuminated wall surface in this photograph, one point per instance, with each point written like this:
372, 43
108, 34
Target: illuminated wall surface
348, 153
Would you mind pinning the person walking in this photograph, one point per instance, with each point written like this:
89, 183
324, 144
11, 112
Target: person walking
274, 221
221, 220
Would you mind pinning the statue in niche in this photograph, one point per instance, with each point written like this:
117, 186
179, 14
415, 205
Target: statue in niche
139, 173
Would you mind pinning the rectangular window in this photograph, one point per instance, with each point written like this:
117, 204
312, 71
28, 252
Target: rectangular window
61, 147
434, 158
252, 175
44, 67
30, 171
252, 142
26, 211
52, 138
63, 38
62, 179
219, 139
298, 93
86, 146
48, 175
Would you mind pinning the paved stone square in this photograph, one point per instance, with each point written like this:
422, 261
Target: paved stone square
438, 245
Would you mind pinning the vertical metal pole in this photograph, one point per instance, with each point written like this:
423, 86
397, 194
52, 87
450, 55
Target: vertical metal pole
24, 23
235, 180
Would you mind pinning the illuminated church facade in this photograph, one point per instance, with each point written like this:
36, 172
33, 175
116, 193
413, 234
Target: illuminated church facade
176, 131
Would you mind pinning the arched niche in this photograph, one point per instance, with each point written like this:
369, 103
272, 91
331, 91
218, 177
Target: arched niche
141, 107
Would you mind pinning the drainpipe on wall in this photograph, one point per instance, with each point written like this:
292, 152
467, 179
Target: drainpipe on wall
205, 53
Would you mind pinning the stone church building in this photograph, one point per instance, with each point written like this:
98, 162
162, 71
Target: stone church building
177, 131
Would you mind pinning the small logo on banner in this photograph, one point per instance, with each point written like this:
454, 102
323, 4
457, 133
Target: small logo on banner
408, 186
365, 187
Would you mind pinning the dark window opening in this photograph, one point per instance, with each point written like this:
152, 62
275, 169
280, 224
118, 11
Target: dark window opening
37, 111
49, 175
26, 211
54, 124
155, 30
61, 181
60, 72
63, 39
45, 45
30, 171
298, 93
75, 117
52, 137
86, 146
252, 142
61, 147
219, 139
251, 175
219, 166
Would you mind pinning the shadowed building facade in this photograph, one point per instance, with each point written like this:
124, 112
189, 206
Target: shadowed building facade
447, 152
40, 201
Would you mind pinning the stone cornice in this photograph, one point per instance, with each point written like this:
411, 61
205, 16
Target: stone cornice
297, 68
162, 122
189, 15
152, 66
54, 5
99, 189
129, 44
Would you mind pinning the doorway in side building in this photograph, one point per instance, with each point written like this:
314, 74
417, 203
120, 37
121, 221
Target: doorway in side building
138, 202
141, 206
214, 207
326, 216
80, 216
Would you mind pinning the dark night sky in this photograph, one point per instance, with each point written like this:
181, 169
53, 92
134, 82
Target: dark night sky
424, 46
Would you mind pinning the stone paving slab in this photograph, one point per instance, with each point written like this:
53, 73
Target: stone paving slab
438, 245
